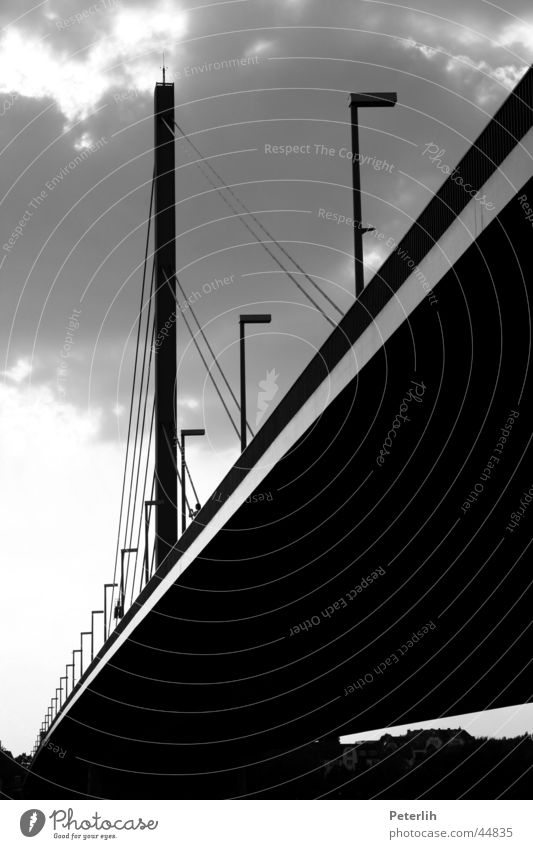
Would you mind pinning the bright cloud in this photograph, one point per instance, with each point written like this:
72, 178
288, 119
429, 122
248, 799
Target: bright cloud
84, 142
373, 259
190, 403
517, 34
486, 79
492, 78
77, 81
60, 489
426, 51
260, 47
19, 372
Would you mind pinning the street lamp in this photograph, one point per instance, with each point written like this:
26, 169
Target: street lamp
147, 506
106, 587
93, 614
262, 318
184, 433
75, 652
82, 635
381, 98
65, 679
119, 608
70, 666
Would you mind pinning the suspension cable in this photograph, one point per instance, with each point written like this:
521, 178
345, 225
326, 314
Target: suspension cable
108, 627
148, 327
147, 520
143, 430
209, 371
175, 465
258, 238
141, 513
258, 222
215, 360
211, 375
188, 472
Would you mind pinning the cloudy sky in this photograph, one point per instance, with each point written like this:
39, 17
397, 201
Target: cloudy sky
76, 135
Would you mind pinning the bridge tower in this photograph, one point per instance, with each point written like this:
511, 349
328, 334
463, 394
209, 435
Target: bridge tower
165, 357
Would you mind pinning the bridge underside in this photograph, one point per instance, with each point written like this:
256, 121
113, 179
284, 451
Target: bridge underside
255, 651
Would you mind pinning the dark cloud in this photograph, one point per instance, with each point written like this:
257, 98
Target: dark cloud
303, 60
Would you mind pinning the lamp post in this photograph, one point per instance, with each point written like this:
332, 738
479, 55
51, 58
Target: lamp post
119, 609
65, 679
74, 653
93, 614
262, 318
106, 587
185, 433
82, 635
67, 667
147, 505
382, 98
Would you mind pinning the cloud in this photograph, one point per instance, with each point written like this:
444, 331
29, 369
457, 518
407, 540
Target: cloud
517, 34
61, 489
373, 259
260, 47
493, 79
484, 79
77, 79
19, 372
426, 51
85, 142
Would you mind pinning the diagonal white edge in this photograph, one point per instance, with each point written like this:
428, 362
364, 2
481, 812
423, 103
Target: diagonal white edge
501, 187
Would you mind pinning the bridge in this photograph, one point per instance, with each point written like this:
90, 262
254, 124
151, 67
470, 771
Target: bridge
386, 580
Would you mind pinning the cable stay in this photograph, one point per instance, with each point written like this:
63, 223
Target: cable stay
145, 263
141, 511
259, 222
180, 449
215, 360
152, 419
176, 467
209, 371
131, 516
141, 430
257, 238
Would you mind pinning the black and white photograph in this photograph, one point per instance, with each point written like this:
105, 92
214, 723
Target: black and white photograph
266, 461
